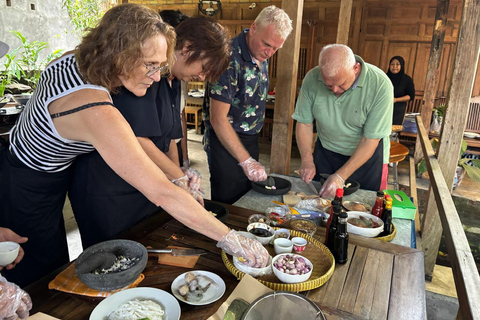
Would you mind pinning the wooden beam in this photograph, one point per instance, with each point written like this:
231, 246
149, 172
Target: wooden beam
431, 81
414, 195
465, 273
287, 70
458, 102
344, 21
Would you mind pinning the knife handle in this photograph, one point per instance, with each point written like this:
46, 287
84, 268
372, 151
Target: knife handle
159, 250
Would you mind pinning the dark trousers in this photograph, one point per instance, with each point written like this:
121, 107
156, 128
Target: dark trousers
369, 175
31, 204
227, 180
104, 204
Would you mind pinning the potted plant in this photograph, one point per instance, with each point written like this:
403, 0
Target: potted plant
463, 166
437, 119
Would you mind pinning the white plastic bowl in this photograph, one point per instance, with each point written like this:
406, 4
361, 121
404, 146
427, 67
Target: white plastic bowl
8, 252
254, 272
366, 232
263, 240
290, 278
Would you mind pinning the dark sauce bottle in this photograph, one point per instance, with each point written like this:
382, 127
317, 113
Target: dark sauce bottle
387, 219
339, 198
340, 250
333, 225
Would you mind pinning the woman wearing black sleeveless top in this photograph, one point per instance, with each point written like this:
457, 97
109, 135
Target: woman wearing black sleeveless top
403, 88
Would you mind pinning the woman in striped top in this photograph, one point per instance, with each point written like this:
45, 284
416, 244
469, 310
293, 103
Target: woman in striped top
71, 113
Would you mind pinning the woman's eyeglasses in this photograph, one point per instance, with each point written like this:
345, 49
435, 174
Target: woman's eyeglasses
153, 69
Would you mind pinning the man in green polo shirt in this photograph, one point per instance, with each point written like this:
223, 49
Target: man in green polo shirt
351, 102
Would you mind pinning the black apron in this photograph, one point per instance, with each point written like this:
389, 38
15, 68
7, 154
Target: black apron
31, 204
104, 204
369, 175
227, 179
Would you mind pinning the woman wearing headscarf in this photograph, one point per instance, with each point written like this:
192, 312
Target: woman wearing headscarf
403, 88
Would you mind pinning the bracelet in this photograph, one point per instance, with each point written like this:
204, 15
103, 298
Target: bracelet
343, 181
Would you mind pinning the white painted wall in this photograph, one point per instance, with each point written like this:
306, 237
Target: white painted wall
49, 22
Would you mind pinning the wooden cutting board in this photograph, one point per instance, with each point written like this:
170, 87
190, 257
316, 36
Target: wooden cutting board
177, 261
41, 316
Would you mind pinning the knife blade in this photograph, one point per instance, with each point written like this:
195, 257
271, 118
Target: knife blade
312, 187
179, 252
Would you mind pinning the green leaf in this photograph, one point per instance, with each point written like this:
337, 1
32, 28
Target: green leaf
473, 172
421, 166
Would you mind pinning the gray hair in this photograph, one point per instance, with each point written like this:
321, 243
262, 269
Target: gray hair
335, 57
276, 16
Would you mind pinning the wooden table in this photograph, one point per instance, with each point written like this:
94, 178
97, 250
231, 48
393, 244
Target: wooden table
380, 281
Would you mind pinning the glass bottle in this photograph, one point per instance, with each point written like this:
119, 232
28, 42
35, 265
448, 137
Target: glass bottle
387, 219
340, 247
333, 225
377, 208
339, 198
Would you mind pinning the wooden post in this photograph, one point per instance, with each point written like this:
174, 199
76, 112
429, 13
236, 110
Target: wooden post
344, 21
287, 70
458, 101
431, 81
312, 60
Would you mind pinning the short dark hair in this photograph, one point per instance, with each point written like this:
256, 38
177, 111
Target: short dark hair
205, 37
114, 46
172, 17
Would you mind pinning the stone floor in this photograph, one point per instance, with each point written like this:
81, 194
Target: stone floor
441, 295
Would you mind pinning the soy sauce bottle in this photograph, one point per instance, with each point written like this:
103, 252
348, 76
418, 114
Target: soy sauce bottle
339, 198
333, 225
340, 248
387, 219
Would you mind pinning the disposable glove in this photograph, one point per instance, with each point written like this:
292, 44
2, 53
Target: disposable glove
331, 185
250, 251
253, 170
14, 302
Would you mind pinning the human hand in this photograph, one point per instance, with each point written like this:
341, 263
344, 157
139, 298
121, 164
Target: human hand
307, 171
8, 235
194, 178
14, 302
253, 170
330, 186
186, 163
250, 250
183, 183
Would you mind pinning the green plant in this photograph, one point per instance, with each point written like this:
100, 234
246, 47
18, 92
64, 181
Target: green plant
440, 110
473, 171
84, 14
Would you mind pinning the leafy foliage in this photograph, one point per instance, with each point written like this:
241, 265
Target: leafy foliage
85, 14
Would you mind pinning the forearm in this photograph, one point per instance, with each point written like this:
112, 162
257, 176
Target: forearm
304, 136
171, 170
363, 152
402, 99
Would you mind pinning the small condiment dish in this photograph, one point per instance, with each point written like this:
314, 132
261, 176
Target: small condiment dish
282, 245
282, 233
299, 244
257, 217
254, 272
262, 232
8, 252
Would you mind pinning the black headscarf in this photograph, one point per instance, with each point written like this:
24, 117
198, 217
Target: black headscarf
396, 77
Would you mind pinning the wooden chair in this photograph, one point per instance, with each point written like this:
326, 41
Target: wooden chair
193, 106
398, 152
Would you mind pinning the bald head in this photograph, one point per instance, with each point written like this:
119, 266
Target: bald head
334, 58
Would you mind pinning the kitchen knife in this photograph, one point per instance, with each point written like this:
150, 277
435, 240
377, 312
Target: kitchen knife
179, 252
312, 187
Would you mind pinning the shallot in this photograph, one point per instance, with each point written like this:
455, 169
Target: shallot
292, 264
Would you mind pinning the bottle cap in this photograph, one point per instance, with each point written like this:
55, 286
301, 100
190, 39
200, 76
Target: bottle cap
339, 192
335, 202
380, 194
343, 214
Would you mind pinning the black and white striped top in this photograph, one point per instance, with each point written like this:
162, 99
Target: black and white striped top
34, 139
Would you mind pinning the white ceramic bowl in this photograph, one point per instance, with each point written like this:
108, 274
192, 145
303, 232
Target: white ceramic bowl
290, 278
366, 232
263, 240
8, 252
282, 245
282, 233
254, 272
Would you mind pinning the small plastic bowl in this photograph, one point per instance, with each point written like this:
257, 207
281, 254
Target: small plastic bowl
291, 278
282, 245
366, 232
254, 272
8, 252
258, 225
259, 218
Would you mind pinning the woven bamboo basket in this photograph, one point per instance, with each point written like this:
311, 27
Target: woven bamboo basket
321, 258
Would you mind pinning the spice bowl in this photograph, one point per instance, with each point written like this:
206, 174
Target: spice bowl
262, 232
291, 268
282, 245
305, 226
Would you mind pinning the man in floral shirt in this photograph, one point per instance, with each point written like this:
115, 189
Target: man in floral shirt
234, 107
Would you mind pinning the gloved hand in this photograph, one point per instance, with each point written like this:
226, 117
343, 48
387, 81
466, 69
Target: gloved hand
194, 179
253, 170
331, 185
183, 183
8, 235
14, 302
307, 171
251, 250
186, 163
